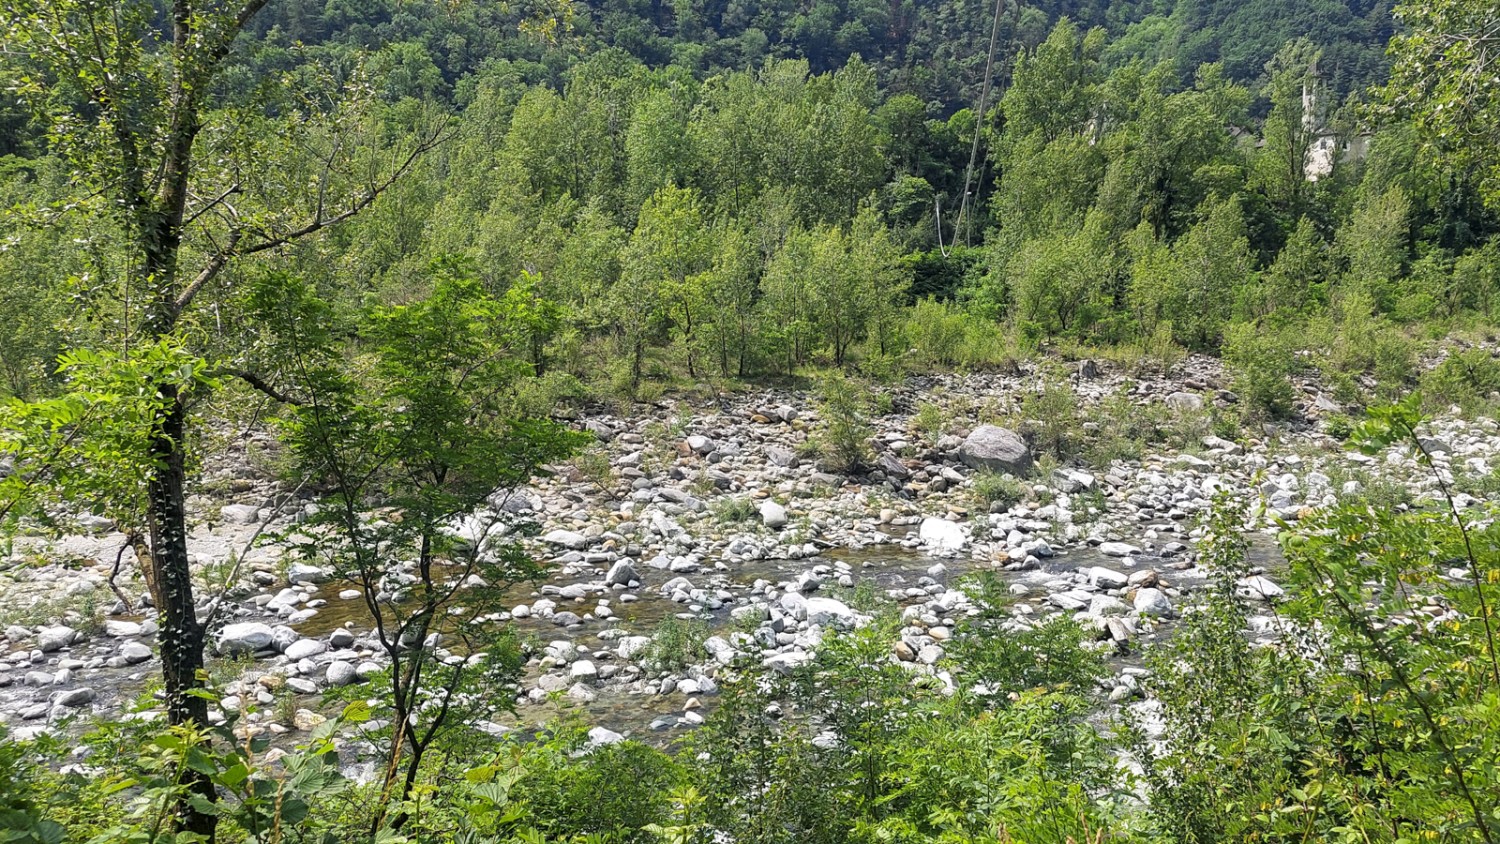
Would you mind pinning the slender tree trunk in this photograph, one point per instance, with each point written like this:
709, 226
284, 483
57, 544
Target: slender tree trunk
182, 635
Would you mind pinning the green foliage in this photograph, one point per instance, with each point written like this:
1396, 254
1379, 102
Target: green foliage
616, 789
676, 644
1468, 378
999, 661
1050, 417
992, 488
843, 437
1263, 364
734, 510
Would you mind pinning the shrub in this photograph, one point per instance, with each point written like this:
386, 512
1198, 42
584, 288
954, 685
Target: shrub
734, 510
843, 440
1466, 378
616, 790
676, 644
992, 488
1050, 418
1263, 364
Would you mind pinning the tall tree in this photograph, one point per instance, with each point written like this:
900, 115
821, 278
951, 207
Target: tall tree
128, 95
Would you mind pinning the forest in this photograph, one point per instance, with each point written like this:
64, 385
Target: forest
415, 261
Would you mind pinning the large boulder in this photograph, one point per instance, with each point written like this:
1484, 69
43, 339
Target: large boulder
245, 638
996, 449
828, 612
1184, 402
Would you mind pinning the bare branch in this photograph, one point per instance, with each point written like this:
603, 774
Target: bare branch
262, 385
235, 247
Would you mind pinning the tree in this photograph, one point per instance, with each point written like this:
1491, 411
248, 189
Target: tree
1374, 243
1281, 165
1296, 278
666, 264
410, 447
1192, 284
1442, 80
129, 97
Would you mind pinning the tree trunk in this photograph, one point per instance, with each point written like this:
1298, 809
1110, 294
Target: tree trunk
181, 636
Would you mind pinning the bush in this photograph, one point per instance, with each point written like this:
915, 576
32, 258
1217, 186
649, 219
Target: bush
734, 510
616, 790
676, 644
1466, 378
992, 488
1263, 363
843, 440
1050, 418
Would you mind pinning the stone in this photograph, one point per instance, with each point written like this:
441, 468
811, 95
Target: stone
240, 514
244, 637
783, 457
599, 736
1118, 549
772, 515
995, 449
893, 467
1107, 578
299, 572
1149, 601
341, 638
50, 639
341, 673
941, 535
134, 653
1185, 402
304, 648
622, 573
1259, 588
307, 720
830, 612
1072, 481
699, 444
583, 670
567, 539
74, 697
121, 629
301, 686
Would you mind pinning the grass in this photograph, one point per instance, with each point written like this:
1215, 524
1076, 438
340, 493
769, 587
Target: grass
992, 488
734, 510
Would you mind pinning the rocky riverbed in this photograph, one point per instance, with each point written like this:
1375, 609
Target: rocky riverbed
713, 512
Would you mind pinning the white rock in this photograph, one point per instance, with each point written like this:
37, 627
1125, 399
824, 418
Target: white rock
941, 535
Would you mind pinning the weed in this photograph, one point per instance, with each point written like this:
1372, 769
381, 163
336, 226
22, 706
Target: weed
676, 644
991, 488
734, 510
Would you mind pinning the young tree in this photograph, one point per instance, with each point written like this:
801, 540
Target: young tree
421, 449
192, 184
666, 265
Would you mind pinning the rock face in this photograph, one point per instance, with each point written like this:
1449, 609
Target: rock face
244, 638
996, 449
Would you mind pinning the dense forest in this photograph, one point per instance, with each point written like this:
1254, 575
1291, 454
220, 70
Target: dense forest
421, 246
